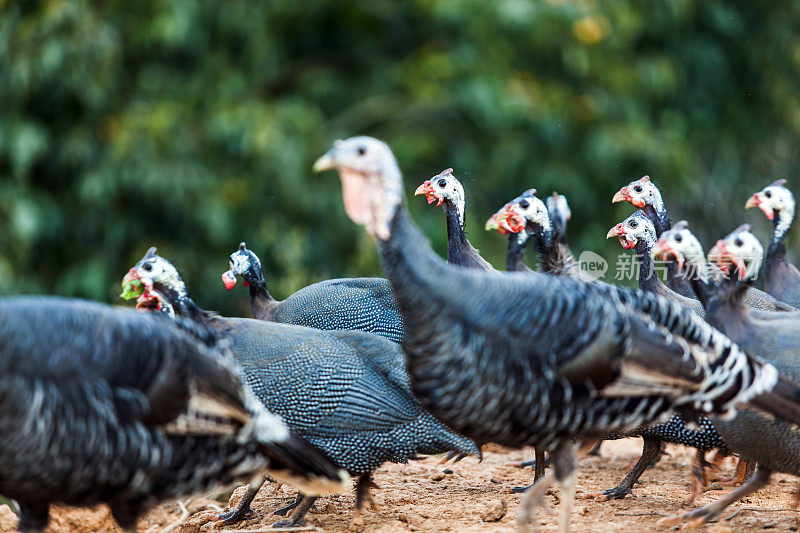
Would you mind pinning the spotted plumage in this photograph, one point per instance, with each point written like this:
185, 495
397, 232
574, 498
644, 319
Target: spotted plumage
356, 304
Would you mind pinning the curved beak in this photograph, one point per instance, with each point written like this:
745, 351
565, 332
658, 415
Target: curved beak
724, 259
427, 189
625, 240
755, 201
624, 195
663, 251
229, 279
506, 221
327, 161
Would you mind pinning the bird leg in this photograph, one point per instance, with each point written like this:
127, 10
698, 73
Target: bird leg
538, 463
33, 516
704, 514
699, 478
651, 451
283, 510
363, 493
562, 459
744, 469
531, 500
242, 510
298, 516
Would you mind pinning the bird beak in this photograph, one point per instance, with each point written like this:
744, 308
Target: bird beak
506, 221
624, 195
327, 161
132, 285
229, 279
625, 240
724, 259
427, 189
663, 251
755, 201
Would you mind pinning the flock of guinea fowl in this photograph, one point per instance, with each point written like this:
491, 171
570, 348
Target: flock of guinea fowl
102, 404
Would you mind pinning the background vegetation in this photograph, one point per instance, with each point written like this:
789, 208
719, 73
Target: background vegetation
193, 125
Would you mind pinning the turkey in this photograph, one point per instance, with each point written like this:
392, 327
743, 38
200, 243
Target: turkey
781, 277
644, 194
541, 360
774, 336
105, 405
358, 304
527, 216
345, 392
447, 191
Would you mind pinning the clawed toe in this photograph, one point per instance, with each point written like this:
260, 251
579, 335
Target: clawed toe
232, 517
289, 523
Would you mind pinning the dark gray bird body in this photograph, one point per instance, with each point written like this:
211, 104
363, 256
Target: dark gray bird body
107, 405
357, 304
347, 393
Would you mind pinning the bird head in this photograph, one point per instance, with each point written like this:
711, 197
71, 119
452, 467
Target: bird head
444, 186
372, 187
154, 282
243, 263
679, 244
635, 229
525, 212
641, 193
739, 251
559, 211
772, 199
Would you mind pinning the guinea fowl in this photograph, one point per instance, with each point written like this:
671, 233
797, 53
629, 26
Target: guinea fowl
781, 277
644, 194
773, 336
105, 405
358, 304
637, 233
527, 216
525, 359
447, 191
346, 392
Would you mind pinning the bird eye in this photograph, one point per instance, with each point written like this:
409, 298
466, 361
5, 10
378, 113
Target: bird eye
768, 194
678, 237
148, 267
638, 188
442, 183
738, 242
361, 150
633, 224
524, 204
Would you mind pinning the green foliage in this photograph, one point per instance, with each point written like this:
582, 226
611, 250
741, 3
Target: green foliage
192, 126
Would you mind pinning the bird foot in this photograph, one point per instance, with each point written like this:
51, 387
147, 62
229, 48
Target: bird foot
234, 516
289, 523
616, 493
692, 519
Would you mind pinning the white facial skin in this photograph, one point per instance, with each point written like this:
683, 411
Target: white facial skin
372, 186
775, 200
680, 243
449, 188
240, 262
532, 209
640, 193
159, 270
636, 228
741, 248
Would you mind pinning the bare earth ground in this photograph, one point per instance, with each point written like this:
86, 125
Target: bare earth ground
421, 497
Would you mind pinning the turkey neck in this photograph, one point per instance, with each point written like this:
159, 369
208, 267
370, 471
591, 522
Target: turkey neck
262, 304
726, 304
185, 306
660, 218
515, 257
457, 243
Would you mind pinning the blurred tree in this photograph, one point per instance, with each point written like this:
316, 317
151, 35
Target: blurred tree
193, 125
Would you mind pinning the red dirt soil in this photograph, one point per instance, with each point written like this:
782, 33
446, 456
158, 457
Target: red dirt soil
421, 497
